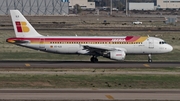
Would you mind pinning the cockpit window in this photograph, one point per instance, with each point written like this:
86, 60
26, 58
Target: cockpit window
162, 42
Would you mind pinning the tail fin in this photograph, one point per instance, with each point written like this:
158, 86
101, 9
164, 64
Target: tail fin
22, 27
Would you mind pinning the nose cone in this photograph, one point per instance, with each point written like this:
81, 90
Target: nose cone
169, 48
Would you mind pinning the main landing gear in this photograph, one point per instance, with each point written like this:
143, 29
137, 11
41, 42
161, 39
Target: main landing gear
149, 58
94, 59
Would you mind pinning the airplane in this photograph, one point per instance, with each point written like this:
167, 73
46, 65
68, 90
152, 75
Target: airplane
111, 47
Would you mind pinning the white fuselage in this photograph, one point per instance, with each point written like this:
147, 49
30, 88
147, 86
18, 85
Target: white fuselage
150, 46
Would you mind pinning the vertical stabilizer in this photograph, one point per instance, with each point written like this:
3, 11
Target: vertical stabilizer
22, 27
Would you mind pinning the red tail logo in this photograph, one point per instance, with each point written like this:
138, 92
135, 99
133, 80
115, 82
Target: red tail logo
22, 26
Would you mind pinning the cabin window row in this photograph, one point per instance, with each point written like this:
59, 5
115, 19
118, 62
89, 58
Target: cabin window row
95, 42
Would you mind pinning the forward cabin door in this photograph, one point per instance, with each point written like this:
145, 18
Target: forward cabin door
42, 43
151, 43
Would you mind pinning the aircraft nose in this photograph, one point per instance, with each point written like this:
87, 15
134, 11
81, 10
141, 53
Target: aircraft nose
170, 48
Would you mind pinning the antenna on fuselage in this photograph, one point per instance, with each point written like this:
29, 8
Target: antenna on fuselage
76, 35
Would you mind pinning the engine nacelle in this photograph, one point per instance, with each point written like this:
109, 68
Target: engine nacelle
115, 55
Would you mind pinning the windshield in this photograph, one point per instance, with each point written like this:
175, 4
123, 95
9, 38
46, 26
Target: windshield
162, 42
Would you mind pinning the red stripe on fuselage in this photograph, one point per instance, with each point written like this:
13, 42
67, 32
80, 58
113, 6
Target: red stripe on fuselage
128, 39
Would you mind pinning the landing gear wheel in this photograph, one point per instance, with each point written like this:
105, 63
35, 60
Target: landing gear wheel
94, 59
149, 58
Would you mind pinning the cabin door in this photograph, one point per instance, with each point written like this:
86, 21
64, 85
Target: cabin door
151, 43
42, 43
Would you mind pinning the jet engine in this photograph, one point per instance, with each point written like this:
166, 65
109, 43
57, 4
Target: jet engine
115, 55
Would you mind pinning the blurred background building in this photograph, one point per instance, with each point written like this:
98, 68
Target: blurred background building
84, 4
141, 6
168, 4
64, 7
35, 7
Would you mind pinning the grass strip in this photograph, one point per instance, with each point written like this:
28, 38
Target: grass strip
116, 81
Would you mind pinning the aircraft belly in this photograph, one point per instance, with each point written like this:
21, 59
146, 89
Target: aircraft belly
131, 49
32, 46
74, 48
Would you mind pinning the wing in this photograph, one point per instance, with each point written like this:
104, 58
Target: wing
99, 50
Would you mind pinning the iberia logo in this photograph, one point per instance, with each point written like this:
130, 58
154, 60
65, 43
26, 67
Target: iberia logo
22, 26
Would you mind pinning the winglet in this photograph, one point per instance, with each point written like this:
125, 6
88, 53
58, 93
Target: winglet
22, 27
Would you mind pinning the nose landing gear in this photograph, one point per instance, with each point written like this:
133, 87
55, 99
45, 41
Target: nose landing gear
149, 58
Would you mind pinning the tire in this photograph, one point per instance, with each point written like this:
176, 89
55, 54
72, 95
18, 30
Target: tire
150, 60
94, 60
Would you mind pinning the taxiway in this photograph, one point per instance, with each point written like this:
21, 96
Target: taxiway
86, 64
88, 94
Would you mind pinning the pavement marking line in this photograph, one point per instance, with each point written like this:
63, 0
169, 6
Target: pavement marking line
27, 65
109, 97
146, 65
